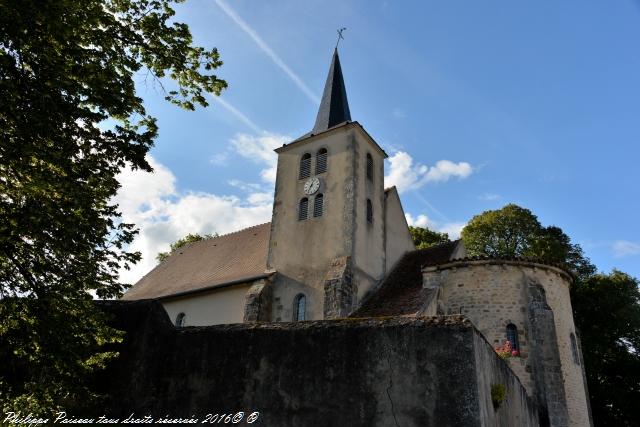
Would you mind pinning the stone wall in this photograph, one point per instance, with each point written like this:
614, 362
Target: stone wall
495, 293
352, 372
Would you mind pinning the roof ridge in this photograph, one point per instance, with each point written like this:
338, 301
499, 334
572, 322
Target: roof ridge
231, 233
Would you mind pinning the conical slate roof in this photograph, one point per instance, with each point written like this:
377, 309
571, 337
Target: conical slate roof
334, 108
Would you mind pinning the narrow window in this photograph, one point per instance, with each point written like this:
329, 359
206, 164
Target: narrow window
321, 161
303, 208
318, 205
512, 336
369, 211
180, 320
574, 348
369, 167
305, 166
299, 307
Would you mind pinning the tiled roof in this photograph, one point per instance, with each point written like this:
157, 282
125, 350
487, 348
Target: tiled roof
402, 293
210, 263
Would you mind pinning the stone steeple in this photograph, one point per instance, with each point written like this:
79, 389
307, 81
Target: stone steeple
334, 108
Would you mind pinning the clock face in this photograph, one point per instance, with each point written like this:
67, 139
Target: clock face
311, 186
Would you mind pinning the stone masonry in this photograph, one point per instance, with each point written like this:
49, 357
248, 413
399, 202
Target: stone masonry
494, 293
339, 289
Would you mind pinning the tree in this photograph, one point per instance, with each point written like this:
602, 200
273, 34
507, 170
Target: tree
514, 231
424, 238
507, 232
189, 238
70, 119
606, 308
607, 314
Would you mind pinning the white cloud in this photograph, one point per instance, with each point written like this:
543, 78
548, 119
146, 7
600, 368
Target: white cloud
220, 159
445, 169
406, 175
489, 197
622, 248
164, 215
259, 149
453, 229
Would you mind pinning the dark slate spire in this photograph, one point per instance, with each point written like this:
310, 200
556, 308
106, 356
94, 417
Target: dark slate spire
334, 108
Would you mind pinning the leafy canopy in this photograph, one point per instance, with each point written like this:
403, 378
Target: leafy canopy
189, 238
70, 119
607, 313
424, 238
514, 231
606, 307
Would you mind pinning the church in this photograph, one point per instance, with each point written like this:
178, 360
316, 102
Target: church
338, 247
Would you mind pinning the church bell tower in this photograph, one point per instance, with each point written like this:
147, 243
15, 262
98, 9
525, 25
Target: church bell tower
327, 240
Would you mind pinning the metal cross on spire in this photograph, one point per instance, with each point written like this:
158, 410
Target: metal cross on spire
340, 36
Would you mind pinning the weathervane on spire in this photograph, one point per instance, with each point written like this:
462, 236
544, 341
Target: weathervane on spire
340, 36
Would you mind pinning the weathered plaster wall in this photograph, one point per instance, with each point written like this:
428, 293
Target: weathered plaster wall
495, 293
302, 251
369, 255
397, 237
225, 305
364, 372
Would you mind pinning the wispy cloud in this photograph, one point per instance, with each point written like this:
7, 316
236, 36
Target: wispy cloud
489, 197
259, 149
622, 248
237, 113
267, 50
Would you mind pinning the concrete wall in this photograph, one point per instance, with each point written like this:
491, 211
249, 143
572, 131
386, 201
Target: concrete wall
397, 236
226, 305
364, 372
495, 293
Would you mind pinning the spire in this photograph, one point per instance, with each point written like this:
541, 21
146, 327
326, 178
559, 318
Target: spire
334, 108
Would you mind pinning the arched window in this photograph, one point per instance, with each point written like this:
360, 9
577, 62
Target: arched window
369, 211
574, 348
512, 336
321, 161
318, 205
299, 307
305, 166
369, 167
180, 319
303, 209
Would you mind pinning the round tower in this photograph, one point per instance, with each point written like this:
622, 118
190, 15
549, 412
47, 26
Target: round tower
527, 303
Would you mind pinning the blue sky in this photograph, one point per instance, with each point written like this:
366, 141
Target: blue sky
478, 104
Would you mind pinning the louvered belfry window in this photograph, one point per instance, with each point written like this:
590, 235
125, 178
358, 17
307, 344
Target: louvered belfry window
369, 211
305, 166
303, 209
321, 161
318, 203
369, 167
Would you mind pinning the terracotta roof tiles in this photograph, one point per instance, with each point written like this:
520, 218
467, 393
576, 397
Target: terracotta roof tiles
207, 264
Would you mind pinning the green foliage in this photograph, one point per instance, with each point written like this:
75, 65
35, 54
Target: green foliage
189, 238
607, 314
70, 119
516, 232
498, 392
507, 232
424, 238
606, 307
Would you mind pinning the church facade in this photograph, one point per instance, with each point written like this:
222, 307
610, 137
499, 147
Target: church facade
338, 246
